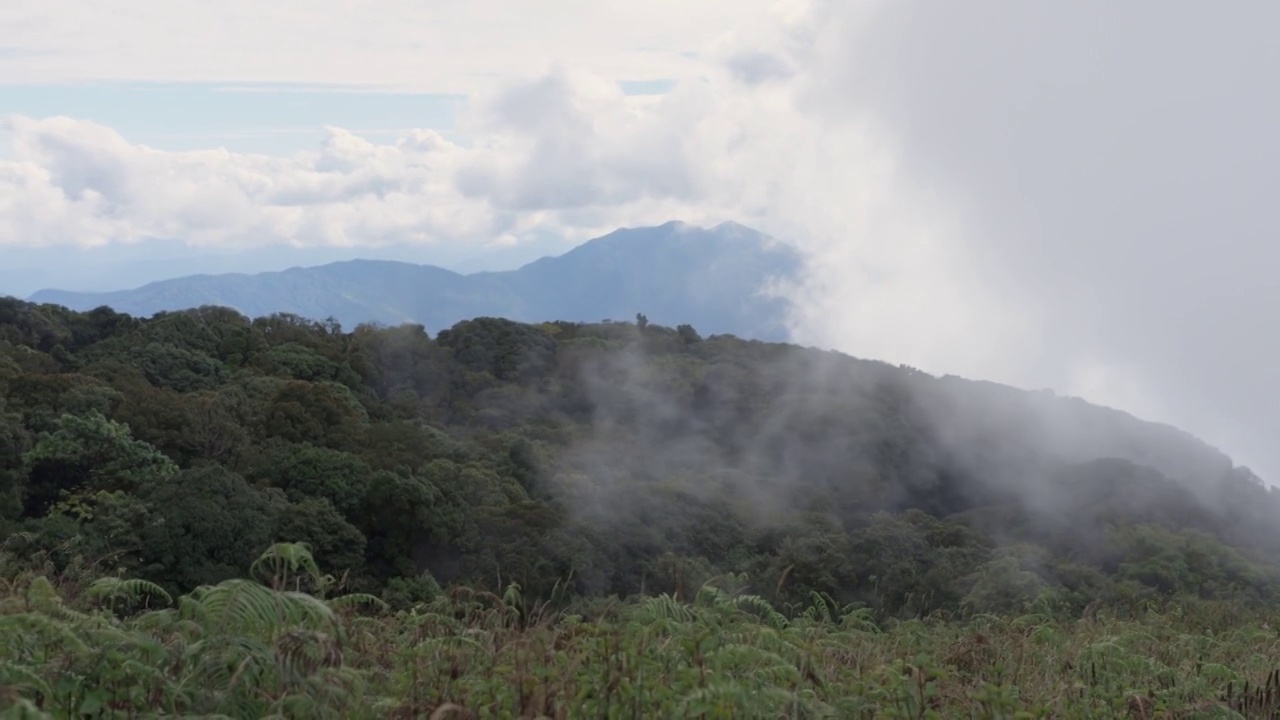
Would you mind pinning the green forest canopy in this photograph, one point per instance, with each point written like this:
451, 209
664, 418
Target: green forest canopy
592, 460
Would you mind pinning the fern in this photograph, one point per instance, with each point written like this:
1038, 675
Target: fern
357, 600
285, 564
50, 631
23, 709
22, 678
112, 588
243, 606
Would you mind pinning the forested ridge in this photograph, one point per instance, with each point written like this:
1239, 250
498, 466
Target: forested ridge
388, 518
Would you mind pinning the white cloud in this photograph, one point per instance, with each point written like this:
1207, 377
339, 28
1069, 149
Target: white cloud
440, 46
78, 183
570, 140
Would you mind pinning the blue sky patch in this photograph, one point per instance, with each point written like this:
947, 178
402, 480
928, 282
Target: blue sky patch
272, 118
647, 87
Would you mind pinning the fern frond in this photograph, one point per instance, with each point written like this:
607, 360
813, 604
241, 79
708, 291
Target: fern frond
23, 710
762, 609
48, 629
246, 606
17, 676
280, 562
131, 589
355, 600
304, 653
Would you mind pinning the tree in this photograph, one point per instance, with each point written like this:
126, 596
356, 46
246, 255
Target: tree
507, 351
321, 413
14, 442
1003, 586
182, 369
813, 557
400, 362
89, 453
102, 527
299, 362
337, 545
410, 523
306, 471
206, 526
43, 398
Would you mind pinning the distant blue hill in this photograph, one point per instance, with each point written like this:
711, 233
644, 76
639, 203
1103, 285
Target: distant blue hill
711, 278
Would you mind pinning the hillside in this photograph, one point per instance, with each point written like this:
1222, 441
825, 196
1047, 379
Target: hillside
674, 273
544, 451
515, 519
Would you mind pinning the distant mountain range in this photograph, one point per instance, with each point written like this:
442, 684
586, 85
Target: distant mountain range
711, 278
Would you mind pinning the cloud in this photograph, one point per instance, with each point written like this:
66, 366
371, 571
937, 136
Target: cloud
441, 47
78, 183
569, 140
1072, 196
1108, 166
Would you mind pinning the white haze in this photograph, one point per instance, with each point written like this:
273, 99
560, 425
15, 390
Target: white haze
1067, 195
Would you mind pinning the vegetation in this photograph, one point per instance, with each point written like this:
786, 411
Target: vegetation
208, 515
259, 648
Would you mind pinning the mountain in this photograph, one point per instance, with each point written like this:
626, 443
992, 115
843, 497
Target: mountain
673, 273
115, 266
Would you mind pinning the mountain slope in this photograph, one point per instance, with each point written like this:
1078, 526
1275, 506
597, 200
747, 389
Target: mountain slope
674, 273
603, 459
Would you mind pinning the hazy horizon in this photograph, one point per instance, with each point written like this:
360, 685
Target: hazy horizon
37, 269
150, 261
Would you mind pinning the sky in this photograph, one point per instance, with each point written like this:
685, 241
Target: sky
1077, 196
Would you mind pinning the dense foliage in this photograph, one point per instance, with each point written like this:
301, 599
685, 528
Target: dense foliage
540, 470
262, 647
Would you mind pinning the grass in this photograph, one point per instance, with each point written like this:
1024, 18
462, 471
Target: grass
258, 649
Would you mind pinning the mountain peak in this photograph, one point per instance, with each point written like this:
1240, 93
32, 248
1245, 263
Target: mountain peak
674, 273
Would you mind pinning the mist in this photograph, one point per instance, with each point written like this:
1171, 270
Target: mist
1055, 196
682, 442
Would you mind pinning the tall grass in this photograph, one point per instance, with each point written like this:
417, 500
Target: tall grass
282, 646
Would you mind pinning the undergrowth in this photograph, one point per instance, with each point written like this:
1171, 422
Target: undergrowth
284, 645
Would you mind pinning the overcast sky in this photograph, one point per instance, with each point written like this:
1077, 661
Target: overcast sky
1071, 195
